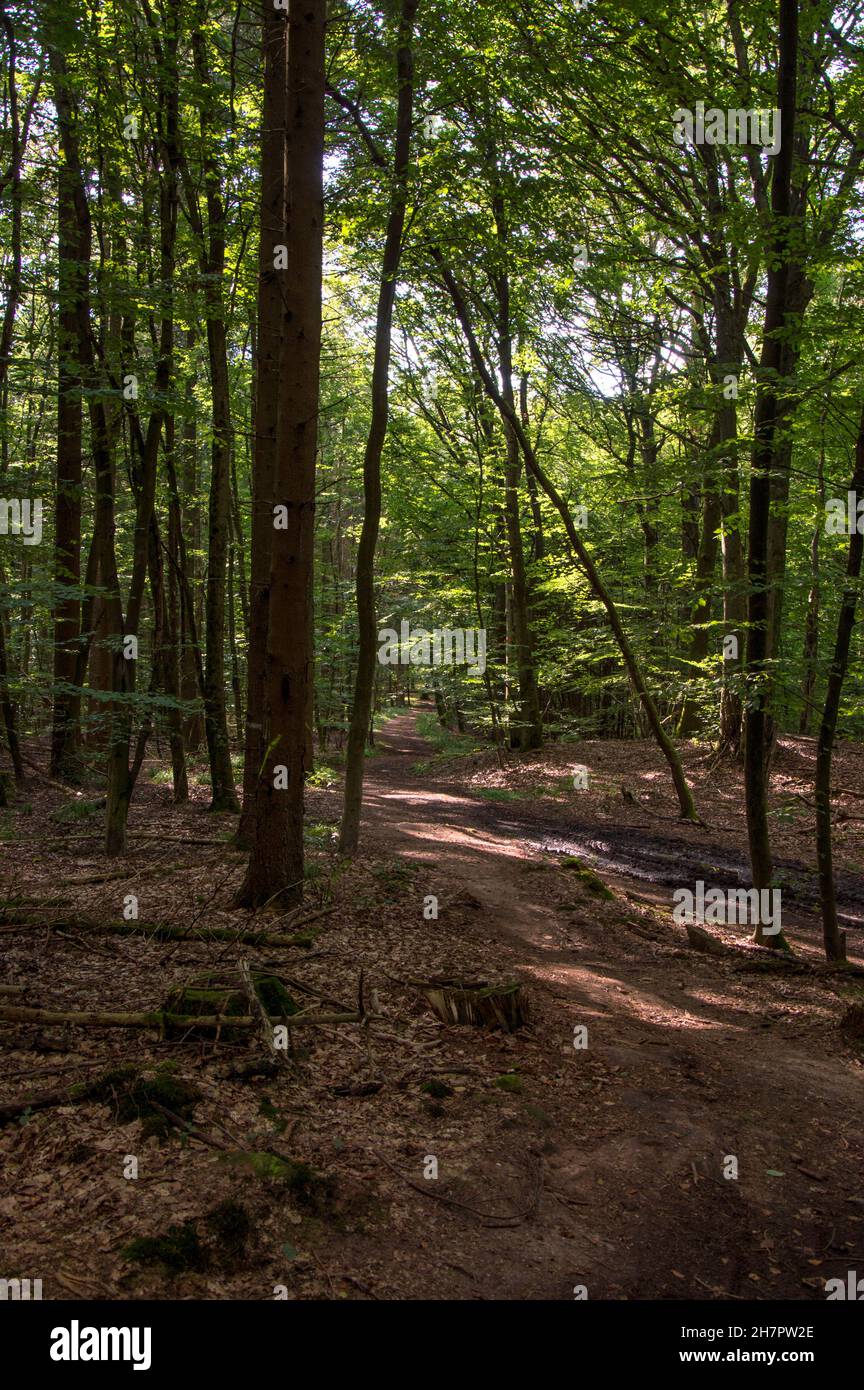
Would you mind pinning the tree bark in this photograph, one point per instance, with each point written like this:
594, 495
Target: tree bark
223, 794
766, 446
276, 862
834, 939
267, 381
67, 530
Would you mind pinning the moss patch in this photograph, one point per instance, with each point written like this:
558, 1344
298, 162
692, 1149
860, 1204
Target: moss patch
509, 1082
177, 1250
593, 882
313, 1190
133, 1095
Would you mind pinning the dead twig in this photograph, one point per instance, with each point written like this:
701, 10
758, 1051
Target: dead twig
490, 1219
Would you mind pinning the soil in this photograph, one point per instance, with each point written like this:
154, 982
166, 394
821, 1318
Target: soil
705, 1143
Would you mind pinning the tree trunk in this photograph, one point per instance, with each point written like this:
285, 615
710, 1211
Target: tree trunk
366, 621
223, 794
682, 789
275, 869
810, 653
12, 297
272, 234
67, 531
529, 727
766, 446
834, 939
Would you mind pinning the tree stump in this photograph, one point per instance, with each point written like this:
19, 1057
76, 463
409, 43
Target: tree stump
478, 1003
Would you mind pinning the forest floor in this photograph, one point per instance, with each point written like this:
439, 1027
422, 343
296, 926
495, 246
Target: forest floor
559, 1167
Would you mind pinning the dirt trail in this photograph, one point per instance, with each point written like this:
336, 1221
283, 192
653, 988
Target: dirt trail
693, 1068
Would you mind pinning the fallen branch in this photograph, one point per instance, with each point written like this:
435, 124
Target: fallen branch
258, 1008
161, 931
60, 1095
159, 1018
488, 1218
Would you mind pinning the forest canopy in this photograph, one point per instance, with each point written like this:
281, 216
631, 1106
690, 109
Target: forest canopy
587, 283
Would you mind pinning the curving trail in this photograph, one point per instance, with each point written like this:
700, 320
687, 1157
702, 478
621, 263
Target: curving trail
690, 1061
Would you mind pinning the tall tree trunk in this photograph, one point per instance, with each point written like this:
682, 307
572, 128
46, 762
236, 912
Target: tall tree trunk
810, 653
766, 446
366, 621
172, 644
12, 296
188, 522
67, 530
174, 629
276, 863
528, 732
7, 707
833, 938
267, 363
223, 794
104, 557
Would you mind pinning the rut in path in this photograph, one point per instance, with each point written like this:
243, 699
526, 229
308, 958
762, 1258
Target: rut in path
657, 862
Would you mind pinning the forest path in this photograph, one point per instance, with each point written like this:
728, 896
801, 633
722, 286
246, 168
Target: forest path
691, 1064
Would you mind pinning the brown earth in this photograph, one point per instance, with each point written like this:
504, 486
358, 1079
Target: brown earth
558, 1166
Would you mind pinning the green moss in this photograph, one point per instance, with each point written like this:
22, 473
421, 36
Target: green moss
269, 1111
587, 876
77, 810
311, 1189
131, 1096
208, 996
181, 1248
509, 1082
274, 996
395, 876
177, 1250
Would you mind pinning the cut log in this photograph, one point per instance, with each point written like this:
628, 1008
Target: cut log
477, 1003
